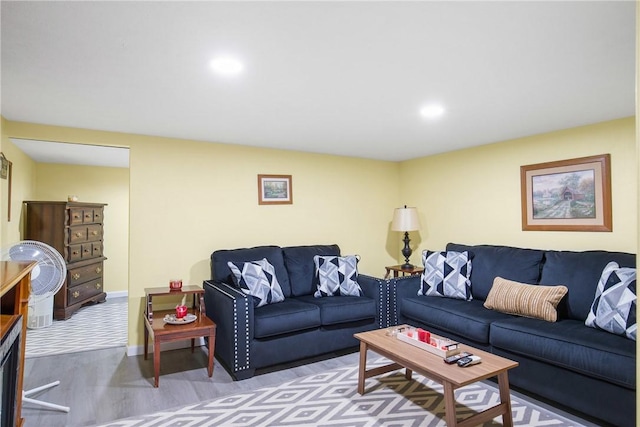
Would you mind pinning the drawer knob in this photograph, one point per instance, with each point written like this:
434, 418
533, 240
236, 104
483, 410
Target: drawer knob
94, 233
78, 234
75, 252
98, 285
98, 270
76, 294
75, 276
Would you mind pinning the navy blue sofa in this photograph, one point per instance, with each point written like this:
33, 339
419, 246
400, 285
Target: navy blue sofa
582, 368
302, 326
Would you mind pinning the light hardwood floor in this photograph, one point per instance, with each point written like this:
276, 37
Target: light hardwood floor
105, 385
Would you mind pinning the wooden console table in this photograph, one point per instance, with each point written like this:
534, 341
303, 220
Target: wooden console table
160, 332
15, 286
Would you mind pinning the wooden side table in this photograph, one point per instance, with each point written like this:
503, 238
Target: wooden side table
398, 269
161, 332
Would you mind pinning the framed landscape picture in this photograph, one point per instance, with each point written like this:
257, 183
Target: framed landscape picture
274, 190
567, 195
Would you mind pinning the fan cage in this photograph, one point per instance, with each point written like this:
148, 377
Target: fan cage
47, 277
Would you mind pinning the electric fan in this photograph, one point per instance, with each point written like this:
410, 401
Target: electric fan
47, 277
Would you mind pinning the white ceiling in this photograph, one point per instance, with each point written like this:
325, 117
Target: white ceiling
344, 78
73, 154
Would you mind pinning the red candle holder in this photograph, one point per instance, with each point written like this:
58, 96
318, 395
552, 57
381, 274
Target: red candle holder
181, 311
175, 284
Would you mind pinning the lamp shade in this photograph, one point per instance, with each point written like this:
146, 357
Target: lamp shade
405, 219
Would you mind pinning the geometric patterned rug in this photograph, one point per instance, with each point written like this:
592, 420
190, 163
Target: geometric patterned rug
331, 399
94, 327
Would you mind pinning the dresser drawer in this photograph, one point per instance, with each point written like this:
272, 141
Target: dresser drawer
94, 232
96, 249
84, 291
84, 233
76, 216
97, 215
74, 253
82, 274
85, 215
77, 234
77, 253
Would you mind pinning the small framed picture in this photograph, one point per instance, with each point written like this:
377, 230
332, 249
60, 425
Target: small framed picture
567, 195
274, 190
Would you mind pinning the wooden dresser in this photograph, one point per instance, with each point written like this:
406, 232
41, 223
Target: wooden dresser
74, 229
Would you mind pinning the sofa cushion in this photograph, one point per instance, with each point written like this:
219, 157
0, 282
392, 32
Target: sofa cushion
570, 345
343, 309
220, 270
468, 319
489, 262
522, 299
258, 279
446, 274
580, 272
614, 306
288, 316
299, 263
337, 276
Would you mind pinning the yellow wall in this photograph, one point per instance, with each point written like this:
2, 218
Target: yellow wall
99, 185
189, 198
473, 196
22, 188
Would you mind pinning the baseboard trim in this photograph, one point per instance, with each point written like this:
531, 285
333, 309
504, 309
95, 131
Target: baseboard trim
137, 350
117, 294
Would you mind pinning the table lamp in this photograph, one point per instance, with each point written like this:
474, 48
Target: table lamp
405, 219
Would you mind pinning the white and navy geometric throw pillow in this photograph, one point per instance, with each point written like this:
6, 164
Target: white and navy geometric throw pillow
446, 274
337, 275
614, 306
258, 279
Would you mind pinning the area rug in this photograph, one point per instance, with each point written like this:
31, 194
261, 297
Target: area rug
330, 399
93, 327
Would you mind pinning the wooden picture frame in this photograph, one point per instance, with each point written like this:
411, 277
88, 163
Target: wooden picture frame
567, 195
275, 190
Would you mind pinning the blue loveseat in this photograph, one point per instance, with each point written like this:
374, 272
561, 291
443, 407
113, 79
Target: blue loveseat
301, 326
582, 368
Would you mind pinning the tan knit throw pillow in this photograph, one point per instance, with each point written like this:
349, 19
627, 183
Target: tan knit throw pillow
535, 301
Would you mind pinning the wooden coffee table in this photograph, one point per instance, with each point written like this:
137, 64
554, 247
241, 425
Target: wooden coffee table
451, 377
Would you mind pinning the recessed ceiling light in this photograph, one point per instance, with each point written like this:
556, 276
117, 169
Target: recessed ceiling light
226, 66
432, 111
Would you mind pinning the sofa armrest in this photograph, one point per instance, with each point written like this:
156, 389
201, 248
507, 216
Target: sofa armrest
232, 311
376, 289
400, 288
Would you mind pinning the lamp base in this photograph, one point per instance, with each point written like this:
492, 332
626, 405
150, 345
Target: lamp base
406, 251
407, 266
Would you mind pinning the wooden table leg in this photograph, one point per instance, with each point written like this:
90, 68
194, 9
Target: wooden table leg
212, 346
505, 398
156, 361
146, 342
449, 405
408, 373
363, 367
193, 341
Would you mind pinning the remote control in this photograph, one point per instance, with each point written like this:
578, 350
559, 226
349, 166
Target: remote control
468, 361
453, 359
